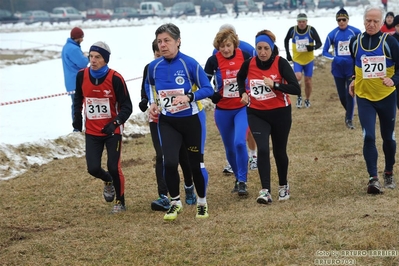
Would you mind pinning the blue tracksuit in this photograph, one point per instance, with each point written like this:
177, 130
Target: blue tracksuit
342, 64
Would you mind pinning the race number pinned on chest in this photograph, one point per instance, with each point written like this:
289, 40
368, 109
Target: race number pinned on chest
260, 91
97, 108
343, 48
230, 88
301, 45
166, 98
374, 67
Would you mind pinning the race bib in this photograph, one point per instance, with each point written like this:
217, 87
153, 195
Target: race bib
166, 98
260, 91
343, 48
301, 45
97, 108
230, 88
373, 67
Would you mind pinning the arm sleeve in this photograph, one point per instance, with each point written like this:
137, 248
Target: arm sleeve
78, 97
286, 71
242, 76
394, 46
144, 94
210, 66
287, 40
78, 58
326, 47
316, 38
123, 97
202, 81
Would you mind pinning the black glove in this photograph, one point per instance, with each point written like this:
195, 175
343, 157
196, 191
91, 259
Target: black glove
77, 121
310, 48
143, 105
110, 127
216, 97
289, 58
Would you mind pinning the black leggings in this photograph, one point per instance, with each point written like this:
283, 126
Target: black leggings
190, 132
94, 151
183, 161
277, 124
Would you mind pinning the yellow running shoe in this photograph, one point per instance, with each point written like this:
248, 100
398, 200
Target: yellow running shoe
202, 211
174, 209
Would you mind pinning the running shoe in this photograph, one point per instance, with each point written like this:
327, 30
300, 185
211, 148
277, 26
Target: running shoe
253, 162
374, 186
264, 197
191, 198
349, 124
160, 204
118, 207
227, 169
299, 102
389, 181
242, 189
202, 211
174, 209
109, 191
307, 103
284, 192
235, 189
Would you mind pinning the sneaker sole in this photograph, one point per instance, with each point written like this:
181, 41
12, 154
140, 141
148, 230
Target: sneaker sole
156, 207
202, 216
283, 198
390, 186
374, 190
243, 193
262, 201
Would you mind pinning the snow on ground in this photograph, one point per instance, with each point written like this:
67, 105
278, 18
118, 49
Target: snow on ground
37, 130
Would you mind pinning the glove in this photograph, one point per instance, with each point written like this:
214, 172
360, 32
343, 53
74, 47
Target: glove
110, 127
143, 105
77, 121
216, 97
289, 58
310, 48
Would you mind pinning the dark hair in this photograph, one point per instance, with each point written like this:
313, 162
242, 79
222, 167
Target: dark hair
169, 28
155, 47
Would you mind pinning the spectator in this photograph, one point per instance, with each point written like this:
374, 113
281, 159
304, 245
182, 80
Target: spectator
73, 59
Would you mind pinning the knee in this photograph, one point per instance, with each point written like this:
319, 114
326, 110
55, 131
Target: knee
94, 170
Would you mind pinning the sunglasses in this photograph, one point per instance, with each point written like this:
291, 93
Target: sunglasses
341, 19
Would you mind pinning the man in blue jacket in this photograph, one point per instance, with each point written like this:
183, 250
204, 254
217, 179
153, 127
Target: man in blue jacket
73, 59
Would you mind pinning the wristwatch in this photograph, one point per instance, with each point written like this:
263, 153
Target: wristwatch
190, 96
276, 85
118, 122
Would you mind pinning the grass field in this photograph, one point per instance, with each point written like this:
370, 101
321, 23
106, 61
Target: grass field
55, 214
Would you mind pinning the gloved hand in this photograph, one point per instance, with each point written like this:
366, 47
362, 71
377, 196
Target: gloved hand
216, 97
143, 105
310, 48
110, 128
77, 121
289, 58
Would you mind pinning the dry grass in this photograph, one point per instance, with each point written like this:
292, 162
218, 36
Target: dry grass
55, 214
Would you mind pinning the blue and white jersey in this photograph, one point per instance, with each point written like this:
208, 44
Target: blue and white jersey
342, 64
178, 76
